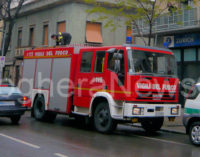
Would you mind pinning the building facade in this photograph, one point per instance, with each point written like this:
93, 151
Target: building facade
180, 32
40, 19
1, 33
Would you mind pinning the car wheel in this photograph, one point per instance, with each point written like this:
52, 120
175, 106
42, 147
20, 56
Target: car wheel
39, 108
15, 119
194, 133
103, 121
152, 124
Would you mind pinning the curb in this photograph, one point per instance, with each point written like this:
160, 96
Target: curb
165, 130
173, 131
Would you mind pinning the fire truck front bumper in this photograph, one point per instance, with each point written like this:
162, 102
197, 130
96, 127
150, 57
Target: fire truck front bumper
134, 110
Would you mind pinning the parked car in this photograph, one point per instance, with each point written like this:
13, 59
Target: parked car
191, 119
12, 103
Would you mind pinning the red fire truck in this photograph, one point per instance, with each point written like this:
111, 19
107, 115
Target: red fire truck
108, 85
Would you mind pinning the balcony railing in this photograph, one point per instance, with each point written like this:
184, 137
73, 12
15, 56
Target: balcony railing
19, 52
185, 19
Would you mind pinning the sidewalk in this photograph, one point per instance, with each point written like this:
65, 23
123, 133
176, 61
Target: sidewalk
176, 126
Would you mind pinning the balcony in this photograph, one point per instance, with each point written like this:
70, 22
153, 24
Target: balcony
19, 52
187, 19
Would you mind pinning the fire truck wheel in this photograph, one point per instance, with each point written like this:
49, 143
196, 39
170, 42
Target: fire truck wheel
103, 121
194, 133
15, 119
152, 124
39, 108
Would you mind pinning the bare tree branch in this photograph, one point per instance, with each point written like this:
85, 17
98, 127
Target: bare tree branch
9, 14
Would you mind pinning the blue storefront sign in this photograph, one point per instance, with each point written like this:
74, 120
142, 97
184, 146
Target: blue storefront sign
182, 40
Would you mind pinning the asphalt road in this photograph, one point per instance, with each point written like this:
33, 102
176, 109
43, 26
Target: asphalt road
67, 138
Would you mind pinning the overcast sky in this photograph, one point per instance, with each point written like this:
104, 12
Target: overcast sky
15, 2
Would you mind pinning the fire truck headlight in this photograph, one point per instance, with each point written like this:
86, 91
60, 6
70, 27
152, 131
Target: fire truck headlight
174, 111
138, 111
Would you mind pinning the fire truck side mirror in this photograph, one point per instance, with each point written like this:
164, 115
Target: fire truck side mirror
112, 50
117, 56
117, 66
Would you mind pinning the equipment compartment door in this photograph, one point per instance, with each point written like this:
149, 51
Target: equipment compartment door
59, 84
28, 75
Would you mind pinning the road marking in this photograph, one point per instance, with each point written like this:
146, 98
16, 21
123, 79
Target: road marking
161, 140
20, 141
60, 155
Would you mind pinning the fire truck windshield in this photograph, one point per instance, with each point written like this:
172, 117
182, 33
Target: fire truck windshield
150, 63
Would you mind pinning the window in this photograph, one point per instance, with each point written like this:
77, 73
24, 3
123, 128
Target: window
45, 34
19, 38
190, 54
129, 37
86, 61
61, 27
31, 37
198, 54
93, 32
111, 62
99, 61
177, 54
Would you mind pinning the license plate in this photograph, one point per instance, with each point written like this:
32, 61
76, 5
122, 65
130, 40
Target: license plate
7, 103
159, 113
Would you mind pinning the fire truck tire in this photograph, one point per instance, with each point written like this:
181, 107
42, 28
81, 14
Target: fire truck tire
39, 108
152, 124
102, 119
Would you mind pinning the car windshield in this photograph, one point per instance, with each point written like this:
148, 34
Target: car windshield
151, 63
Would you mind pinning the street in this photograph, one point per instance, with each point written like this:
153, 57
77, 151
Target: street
66, 138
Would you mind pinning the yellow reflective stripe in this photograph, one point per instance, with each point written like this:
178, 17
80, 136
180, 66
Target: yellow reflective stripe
103, 90
60, 36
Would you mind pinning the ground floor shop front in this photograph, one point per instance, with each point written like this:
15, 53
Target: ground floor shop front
186, 48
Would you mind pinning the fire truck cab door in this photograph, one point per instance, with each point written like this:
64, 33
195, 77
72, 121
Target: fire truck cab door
115, 74
83, 79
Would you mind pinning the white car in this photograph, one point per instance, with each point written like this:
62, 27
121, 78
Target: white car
191, 119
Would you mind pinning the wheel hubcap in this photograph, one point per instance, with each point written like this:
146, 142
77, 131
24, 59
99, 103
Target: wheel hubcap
196, 134
103, 117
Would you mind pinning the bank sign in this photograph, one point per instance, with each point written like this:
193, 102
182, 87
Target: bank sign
182, 40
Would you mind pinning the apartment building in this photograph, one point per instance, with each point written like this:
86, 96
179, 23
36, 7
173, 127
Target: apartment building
180, 32
39, 19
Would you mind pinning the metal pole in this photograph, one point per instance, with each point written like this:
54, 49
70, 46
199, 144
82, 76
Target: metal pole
3, 47
156, 40
3, 40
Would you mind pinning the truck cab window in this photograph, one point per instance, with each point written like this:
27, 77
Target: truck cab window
86, 62
99, 61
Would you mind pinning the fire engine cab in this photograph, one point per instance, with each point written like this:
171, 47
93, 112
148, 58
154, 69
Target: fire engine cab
108, 85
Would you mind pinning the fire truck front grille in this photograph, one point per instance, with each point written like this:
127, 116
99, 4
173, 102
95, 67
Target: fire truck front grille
146, 95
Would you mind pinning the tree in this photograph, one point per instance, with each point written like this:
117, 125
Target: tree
133, 11
9, 12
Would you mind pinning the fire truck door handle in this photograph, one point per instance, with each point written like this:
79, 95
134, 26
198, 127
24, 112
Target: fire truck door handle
78, 85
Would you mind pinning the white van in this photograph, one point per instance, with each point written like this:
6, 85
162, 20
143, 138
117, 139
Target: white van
191, 119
